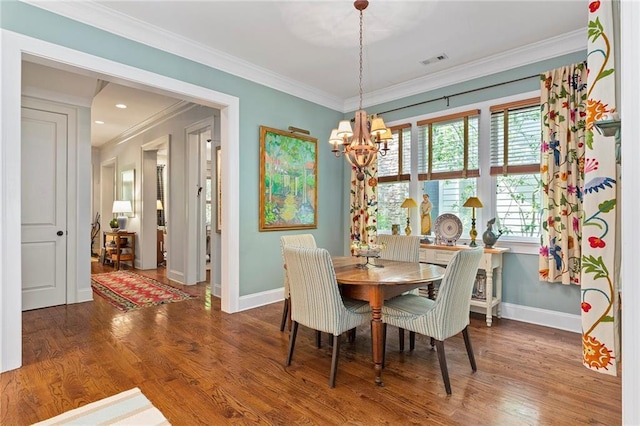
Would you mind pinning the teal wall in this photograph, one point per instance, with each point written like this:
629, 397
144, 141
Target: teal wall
259, 251
260, 258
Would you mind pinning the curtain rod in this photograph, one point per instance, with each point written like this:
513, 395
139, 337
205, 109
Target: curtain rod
459, 94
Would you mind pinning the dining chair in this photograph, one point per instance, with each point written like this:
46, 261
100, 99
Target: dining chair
300, 240
316, 301
445, 316
403, 248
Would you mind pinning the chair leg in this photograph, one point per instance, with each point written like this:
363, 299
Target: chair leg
467, 343
401, 338
285, 314
443, 365
318, 339
352, 335
292, 342
334, 361
412, 340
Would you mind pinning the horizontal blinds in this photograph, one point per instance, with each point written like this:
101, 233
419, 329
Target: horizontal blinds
515, 137
448, 146
396, 164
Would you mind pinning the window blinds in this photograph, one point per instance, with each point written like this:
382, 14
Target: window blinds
448, 146
516, 137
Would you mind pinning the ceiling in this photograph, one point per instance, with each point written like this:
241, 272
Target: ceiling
310, 48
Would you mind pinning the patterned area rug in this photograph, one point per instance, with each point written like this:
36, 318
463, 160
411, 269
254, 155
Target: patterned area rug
128, 291
127, 408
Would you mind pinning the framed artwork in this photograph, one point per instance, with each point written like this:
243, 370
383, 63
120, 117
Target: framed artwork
288, 180
218, 190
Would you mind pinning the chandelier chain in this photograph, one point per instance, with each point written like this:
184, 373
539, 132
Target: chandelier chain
360, 107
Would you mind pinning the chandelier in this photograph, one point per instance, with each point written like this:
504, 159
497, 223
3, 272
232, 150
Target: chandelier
369, 137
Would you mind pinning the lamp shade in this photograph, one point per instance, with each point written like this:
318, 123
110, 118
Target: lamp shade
159, 205
378, 127
122, 206
408, 203
344, 129
473, 202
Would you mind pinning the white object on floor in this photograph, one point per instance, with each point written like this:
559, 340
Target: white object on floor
127, 408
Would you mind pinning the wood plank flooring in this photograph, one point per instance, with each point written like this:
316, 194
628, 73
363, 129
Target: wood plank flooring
199, 365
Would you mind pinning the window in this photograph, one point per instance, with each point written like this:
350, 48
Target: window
395, 165
448, 162
390, 197
448, 146
515, 160
394, 172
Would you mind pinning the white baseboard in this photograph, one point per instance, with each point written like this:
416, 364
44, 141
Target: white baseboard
84, 296
544, 317
175, 276
256, 300
217, 290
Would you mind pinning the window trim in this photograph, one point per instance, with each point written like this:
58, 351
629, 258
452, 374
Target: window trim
400, 176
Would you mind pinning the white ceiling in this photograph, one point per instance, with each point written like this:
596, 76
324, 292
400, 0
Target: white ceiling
310, 48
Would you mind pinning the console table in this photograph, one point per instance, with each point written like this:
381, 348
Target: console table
115, 244
491, 260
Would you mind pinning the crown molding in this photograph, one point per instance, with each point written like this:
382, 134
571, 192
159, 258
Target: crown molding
107, 19
563, 44
104, 18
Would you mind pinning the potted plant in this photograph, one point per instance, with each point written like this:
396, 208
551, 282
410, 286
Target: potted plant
114, 224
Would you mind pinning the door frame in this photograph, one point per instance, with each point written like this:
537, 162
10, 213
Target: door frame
13, 47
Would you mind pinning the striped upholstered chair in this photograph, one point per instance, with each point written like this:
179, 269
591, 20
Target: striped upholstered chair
300, 240
316, 302
444, 317
403, 248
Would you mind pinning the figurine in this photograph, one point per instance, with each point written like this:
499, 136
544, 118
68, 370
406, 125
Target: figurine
425, 215
489, 237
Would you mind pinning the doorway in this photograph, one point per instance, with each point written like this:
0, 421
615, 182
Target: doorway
17, 47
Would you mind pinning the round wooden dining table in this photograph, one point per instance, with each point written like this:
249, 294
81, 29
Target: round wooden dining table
378, 281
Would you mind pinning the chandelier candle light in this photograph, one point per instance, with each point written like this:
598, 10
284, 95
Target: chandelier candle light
474, 203
356, 145
407, 204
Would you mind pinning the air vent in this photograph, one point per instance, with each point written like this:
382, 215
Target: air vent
437, 58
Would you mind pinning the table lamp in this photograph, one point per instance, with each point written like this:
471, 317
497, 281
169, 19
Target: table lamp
474, 203
122, 208
407, 204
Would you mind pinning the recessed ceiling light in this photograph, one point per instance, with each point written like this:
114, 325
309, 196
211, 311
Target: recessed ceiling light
121, 106
99, 122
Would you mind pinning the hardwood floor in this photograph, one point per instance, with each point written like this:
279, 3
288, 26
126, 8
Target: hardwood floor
199, 365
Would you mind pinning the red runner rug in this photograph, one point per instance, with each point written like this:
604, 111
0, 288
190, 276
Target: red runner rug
128, 291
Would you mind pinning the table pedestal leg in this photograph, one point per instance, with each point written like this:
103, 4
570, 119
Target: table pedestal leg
377, 334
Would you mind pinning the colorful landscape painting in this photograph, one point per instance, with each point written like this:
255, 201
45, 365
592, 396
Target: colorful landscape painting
288, 180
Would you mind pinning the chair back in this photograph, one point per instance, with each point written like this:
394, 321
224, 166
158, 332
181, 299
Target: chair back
315, 298
404, 248
300, 240
451, 308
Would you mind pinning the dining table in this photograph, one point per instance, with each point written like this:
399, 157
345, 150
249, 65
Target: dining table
376, 280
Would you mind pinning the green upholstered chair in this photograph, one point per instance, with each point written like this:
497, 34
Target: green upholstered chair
300, 240
445, 316
316, 301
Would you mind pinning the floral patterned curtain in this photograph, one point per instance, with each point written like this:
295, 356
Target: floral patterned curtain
600, 315
563, 102
364, 206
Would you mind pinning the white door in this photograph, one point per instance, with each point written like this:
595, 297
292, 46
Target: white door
44, 212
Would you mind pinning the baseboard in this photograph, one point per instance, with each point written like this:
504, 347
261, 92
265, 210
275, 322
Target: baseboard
175, 276
544, 317
84, 295
256, 300
217, 290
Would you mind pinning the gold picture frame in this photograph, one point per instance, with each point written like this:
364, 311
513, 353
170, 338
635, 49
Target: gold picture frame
288, 180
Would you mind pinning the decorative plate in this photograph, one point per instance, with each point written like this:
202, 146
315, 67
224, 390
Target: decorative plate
448, 228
